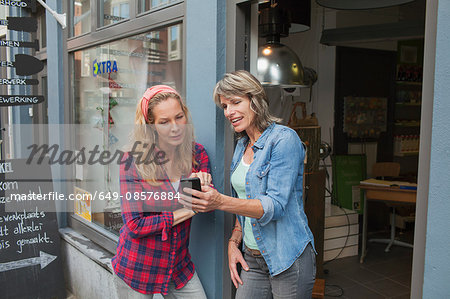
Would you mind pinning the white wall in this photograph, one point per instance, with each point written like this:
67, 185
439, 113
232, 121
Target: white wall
322, 59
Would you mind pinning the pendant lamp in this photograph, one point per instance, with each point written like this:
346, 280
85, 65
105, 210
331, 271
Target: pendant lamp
277, 64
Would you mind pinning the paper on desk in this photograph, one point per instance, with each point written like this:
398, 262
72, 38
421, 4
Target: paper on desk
383, 183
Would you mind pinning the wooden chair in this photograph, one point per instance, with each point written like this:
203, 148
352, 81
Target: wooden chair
384, 170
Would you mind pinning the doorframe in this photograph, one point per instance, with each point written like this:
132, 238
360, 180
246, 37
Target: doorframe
420, 229
425, 131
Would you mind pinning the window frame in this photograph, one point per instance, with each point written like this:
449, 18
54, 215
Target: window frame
71, 18
141, 12
100, 12
150, 20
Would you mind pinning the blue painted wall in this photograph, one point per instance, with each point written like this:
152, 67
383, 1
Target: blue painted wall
56, 101
205, 63
437, 262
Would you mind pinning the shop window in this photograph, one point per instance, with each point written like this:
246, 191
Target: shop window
146, 5
3, 15
42, 31
108, 82
81, 12
174, 41
114, 11
3, 70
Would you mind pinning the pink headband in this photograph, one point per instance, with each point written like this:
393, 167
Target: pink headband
150, 93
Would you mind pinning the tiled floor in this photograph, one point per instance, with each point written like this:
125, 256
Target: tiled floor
382, 275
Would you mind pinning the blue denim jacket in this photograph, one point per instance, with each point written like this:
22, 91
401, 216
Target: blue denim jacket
275, 177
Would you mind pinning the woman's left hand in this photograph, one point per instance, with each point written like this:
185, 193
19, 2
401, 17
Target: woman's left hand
207, 200
205, 178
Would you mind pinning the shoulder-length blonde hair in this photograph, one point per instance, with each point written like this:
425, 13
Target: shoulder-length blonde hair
242, 83
144, 136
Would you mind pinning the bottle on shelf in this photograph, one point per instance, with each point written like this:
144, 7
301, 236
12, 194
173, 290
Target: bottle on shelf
397, 145
406, 144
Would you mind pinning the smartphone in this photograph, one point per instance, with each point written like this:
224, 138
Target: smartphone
193, 183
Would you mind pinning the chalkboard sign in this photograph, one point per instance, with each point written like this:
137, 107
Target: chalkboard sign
30, 259
348, 171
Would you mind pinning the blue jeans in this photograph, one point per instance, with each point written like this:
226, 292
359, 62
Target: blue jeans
295, 282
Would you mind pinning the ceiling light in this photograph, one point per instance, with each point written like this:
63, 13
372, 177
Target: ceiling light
277, 64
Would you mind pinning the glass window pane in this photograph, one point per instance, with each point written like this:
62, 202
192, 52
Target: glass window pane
108, 82
114, 11
174, 43
43, 30
3, 13
125, 9
81, 16
3, 70
145, 5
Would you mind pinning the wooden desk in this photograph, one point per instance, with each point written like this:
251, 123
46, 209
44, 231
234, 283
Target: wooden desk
385, 194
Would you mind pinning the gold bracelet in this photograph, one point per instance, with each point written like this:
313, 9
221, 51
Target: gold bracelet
236, 230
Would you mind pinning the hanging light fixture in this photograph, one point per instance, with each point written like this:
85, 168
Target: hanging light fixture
298, 12
360, 4
277, 64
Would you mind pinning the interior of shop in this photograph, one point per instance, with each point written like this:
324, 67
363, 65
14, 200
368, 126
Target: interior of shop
355, 101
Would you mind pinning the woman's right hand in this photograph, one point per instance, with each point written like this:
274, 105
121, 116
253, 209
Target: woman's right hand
205, 178
235, 257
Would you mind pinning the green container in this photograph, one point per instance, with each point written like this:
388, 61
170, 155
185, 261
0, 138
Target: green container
348, 171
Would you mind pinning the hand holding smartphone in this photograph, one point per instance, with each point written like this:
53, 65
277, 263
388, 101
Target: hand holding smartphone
193, 183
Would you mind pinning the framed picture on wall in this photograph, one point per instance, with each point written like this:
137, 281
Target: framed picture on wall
365, 117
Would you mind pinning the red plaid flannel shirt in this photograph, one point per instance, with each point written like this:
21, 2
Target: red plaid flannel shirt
151, 252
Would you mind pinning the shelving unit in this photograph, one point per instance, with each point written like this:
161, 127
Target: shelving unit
408, 83
406, 154
407, 119
407, 108
408, 104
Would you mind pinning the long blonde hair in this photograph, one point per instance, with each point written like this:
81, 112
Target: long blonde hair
144, 136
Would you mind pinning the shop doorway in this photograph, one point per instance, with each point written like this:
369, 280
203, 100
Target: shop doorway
314, 54
371, 106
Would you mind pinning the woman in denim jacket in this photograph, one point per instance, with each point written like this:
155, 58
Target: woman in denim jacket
267, 181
